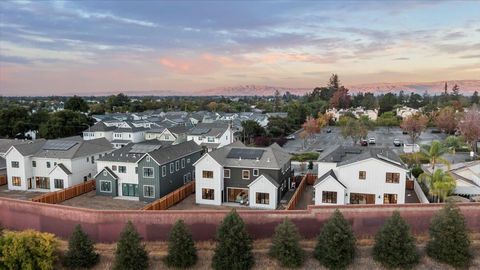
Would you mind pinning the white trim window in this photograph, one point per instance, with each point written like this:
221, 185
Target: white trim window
177, 165
148, 172
104, 173
183, 163
149, 191
246, 174
171, 167
226, 173
148, 158
164, 170
256, 172
106, 186
122, 169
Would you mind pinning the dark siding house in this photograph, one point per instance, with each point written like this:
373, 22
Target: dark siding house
106, 183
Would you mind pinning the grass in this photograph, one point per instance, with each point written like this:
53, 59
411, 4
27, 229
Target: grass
305, 156
157, 250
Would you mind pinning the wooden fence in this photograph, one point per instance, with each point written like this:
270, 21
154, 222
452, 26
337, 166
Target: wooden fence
66, 194
311, 178
172, 198
3, 180
292, 204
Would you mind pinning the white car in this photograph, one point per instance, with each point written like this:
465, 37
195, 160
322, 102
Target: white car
290, 137
371, 141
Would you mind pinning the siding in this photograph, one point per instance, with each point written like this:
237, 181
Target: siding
108, 177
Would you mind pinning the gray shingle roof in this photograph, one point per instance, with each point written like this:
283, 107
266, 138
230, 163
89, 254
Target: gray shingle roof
326, 175
5, 144
98, 127
79, 149
173, 152
61, 166
127, 154
209, 129
269, 178
343, 155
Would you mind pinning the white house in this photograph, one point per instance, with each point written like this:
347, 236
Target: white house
176, 134
404, 112
54, 164
211, 135
350, 175
357, 112
124, 135
99, 130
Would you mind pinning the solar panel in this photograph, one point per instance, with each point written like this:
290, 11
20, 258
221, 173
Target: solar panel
238, 153
199, 131
58, 145
143, 148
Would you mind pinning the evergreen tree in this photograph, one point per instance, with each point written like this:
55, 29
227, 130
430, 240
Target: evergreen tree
130, 253
394, 245
449, 242
234, 246
285, 246
335, 248
181, 248
81, 252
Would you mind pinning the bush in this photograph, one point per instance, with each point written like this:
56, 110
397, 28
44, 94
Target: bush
130, 253
29, 250
305, 156
285, 245
181, 248
394, 245
416, 171
81, 252
335, 247
234, 246
449, 242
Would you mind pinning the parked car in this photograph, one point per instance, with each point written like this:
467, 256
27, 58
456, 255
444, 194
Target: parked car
404, 132
397, 142
363, 142
319, 150
290, 137
371, 141
329, 130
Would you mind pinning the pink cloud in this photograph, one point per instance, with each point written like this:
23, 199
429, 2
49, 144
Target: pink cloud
202, 64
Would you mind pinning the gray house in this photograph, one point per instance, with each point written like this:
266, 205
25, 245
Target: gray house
166, 169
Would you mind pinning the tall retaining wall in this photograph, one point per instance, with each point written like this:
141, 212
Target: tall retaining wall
105, 226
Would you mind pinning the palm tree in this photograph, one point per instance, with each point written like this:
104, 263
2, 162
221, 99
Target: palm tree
434, 153
439, 183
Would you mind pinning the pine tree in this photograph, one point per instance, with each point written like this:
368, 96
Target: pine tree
81, 252
449, 242
130, 253
285, 245
394, 245
335, 248
234, 246
181, 248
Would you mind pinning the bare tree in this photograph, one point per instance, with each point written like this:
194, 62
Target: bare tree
446, 120
414, 125
469, 126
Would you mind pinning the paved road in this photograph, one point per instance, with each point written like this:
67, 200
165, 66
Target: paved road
382, 135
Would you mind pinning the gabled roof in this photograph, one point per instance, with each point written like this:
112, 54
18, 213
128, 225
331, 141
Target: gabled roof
63, 168
326, 175
266, 176
74, 148
209, 129
173, 152
132, 152
344, 155
108, 171
99, 127
5, 144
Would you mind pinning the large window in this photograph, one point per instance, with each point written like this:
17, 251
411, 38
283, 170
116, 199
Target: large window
42, 182
58, 183
389, 198
148, 191
171, 167
148, 172
360, 198
262, 198
183, 163
392, 177
130, 190
16, 181
105, 186
207, 174
15, 164
362, 175
329, 197
246, 174
208, 194
226, 173
122, 169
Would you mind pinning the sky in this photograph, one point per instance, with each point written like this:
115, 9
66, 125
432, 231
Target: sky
88, 47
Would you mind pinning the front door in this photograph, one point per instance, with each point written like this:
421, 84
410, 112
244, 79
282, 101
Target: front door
362, 198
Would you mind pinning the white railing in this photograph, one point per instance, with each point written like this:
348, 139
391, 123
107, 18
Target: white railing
411, 148
418, 190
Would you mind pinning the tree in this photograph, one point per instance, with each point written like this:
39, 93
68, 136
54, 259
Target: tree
434, 152
130, 253
335, 246
354, 129
81, 252
446, 120
334, 82
181, 248
278, 100
394, 245
278, 127
414, 125
475, 99
469, 126
387, 119
251, 129
76, 104
212, 106
234, 245
454, 142
387, 102
440, 184
64, 124
449, 242
285, 245
118, 102
340, 99
455, 91
311, 126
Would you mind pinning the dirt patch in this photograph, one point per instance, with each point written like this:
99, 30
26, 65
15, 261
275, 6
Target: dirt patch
189, 204
92, 201
18, 194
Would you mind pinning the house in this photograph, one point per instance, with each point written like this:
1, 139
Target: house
352, 175
128, 133
150, 175
48, 165
357, 112
176, 134
236, 174
466, 175
99, 130
211, 135
405, 112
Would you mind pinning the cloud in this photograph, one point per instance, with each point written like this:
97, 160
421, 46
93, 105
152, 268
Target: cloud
401, 58
202, 64
470, 56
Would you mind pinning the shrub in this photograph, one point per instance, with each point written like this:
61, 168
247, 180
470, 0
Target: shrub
285, 245
181, 248
449, 242
416, 171
335, 247
81, 252
28, 250
234, 246
394, 245
130, 253
305, 156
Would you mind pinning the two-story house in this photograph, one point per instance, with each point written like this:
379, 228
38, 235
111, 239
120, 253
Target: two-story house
211, 135
99, 130
148, 176
353, 175
236, 174
53, 164
176, 134
124, 135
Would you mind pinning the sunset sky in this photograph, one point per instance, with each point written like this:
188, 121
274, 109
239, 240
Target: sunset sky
85, 47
